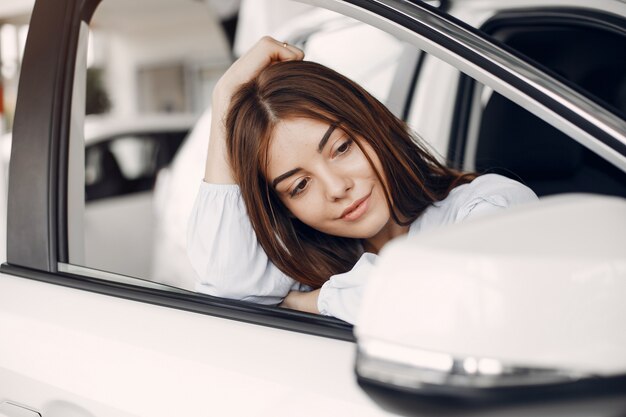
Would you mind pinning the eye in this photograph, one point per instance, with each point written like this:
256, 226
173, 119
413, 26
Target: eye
300, 187
344, 147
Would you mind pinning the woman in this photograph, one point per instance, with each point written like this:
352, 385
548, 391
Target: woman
307, 178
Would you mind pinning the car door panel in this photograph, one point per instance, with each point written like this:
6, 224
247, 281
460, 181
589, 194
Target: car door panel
144, 359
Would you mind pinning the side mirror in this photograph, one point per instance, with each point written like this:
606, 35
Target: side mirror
531, 298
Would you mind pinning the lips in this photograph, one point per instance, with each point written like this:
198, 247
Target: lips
356, 209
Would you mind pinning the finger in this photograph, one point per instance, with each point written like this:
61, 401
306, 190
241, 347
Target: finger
299, 53
266, 51
282, 51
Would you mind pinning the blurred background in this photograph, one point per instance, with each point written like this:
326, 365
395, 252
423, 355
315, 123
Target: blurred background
14, 18
132, 52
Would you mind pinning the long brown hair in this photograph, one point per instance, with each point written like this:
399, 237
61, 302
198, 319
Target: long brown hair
411, 177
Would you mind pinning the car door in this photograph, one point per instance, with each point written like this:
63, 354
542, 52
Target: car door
80, 341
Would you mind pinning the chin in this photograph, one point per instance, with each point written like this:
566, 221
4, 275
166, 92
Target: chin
365, 231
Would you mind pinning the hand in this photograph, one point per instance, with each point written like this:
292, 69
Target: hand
266, 51
303, 301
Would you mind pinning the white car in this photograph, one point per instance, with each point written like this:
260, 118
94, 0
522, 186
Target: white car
123, 157
530, 88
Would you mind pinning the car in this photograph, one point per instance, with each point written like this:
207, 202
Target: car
123, 157
506, 87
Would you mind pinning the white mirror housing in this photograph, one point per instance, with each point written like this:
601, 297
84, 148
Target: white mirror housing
535, 295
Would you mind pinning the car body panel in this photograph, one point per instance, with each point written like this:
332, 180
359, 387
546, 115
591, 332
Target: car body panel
139, 359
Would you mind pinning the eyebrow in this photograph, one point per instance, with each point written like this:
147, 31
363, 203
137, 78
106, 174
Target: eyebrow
284, 176
326, 136
320, 147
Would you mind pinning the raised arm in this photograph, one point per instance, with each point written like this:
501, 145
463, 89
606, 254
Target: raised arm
266, 51
221, 242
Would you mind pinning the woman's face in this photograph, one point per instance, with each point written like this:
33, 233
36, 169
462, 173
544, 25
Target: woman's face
325, 180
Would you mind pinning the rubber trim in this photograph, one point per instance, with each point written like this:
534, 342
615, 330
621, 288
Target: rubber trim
408, 103
247, 312
460, 122
32, 208
60, 154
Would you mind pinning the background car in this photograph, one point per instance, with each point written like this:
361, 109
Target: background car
89, 341
122, 160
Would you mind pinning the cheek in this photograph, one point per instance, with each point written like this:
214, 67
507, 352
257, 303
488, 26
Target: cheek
364, 165
309, 210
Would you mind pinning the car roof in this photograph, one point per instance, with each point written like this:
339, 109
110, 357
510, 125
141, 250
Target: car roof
98, 128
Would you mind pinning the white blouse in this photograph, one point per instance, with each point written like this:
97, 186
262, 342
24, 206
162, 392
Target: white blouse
224, 250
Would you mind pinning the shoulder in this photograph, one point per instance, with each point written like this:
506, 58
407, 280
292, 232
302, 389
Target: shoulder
485, 194
492, 187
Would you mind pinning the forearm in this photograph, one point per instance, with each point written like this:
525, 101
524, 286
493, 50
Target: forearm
217, 169
303, 301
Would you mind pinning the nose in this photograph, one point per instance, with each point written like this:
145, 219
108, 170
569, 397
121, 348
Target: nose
336, 184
